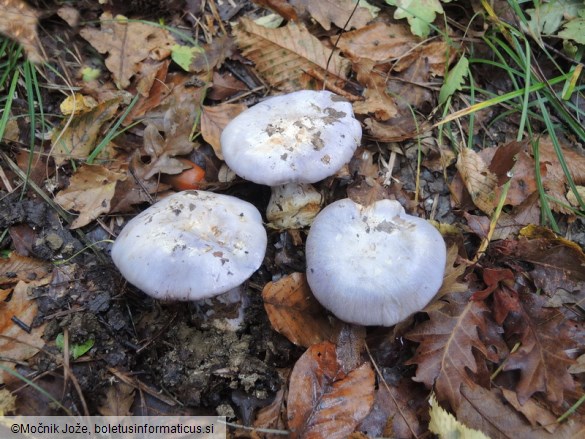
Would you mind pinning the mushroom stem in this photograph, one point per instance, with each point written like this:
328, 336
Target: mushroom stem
293, 205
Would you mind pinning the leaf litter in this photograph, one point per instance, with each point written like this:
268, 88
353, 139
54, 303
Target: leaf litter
499, 344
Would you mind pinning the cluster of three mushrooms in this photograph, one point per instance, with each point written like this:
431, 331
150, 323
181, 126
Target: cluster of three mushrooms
356, 256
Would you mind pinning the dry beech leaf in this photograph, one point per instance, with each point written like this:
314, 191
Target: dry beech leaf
19, 22
323, 401
118, 400
295, 313
478, 179
378, 42
90, 191
77, 136
447, 342
152, 88
127, 44
19, 344
337, 12
283, 55
16, 268
213, 121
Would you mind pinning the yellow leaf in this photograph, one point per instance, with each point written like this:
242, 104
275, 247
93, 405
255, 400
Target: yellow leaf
445, 425
77, 104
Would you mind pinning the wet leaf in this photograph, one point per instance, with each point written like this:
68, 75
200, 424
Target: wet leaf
323, 401
283, 55
447, 344
281, 7
90, 191
295, 313
127, 44
225, 85
213, 121
77, 137
532, 411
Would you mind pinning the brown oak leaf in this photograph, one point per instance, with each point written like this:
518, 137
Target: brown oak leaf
541, 358
447, 344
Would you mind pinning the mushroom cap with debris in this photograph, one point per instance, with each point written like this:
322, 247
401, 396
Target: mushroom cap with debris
191, 245
300, 137
373, 265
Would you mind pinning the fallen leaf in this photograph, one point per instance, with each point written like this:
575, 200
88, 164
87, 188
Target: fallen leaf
213, 55
273, 415
444, 424
377, 101
77, 104
379, 42
16, 268
479, 180
118, 400
90, 191
419, 13
322, 400
152, 88
295, 313
225, 85
281, 7
447, 344
76, 137
397, 410
339, 12
127, 43
534, 413
15, 343
485, 410
541, 358
558, 262
19, 22
283, 55
213, 121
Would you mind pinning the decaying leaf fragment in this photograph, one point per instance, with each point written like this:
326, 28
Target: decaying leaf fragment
127, 44
19, 22
338, 12
283, 55
323, 401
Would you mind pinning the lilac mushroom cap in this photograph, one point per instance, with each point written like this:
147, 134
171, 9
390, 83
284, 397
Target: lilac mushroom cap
300, 137
191, 245
373, 265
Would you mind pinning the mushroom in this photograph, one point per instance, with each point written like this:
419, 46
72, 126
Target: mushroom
191, 245
301, 137
373, 265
